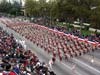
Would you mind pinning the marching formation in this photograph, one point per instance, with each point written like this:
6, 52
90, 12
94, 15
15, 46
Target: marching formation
59, 44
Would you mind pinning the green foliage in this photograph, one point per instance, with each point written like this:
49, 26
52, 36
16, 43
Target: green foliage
6, 7
16, 8
69, 10
85, 32
35, 8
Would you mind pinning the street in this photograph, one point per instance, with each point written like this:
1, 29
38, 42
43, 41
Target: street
82, 65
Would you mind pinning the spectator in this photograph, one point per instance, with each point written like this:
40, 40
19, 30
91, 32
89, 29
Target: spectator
16, 60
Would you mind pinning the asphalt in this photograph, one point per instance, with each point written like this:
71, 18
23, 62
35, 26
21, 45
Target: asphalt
83, 65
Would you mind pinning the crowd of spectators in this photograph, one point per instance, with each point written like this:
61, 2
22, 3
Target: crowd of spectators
94, 36
15, 60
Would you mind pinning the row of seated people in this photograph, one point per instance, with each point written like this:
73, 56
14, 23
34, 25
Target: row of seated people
54, 42
15, 60
94, 36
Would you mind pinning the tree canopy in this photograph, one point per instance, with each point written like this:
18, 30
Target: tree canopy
66, 9
11, 8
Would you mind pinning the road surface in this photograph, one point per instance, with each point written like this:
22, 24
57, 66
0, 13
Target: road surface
76, 66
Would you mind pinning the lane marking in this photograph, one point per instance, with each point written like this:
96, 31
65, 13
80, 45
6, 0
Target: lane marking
87, 65
71, 69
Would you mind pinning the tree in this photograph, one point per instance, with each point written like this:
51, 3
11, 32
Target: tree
95, 17
32, 7
7, 7
16, 8
68, 10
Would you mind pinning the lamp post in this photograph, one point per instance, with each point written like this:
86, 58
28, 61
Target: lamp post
69, 24
81, 23
93, 8
50, 19
44, 16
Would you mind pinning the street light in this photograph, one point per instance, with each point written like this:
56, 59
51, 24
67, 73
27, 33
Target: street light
50, 19
93, 8
44, 16
79, 21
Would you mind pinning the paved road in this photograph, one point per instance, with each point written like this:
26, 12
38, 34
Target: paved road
83, 64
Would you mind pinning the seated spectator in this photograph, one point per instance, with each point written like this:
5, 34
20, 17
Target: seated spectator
15, 60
